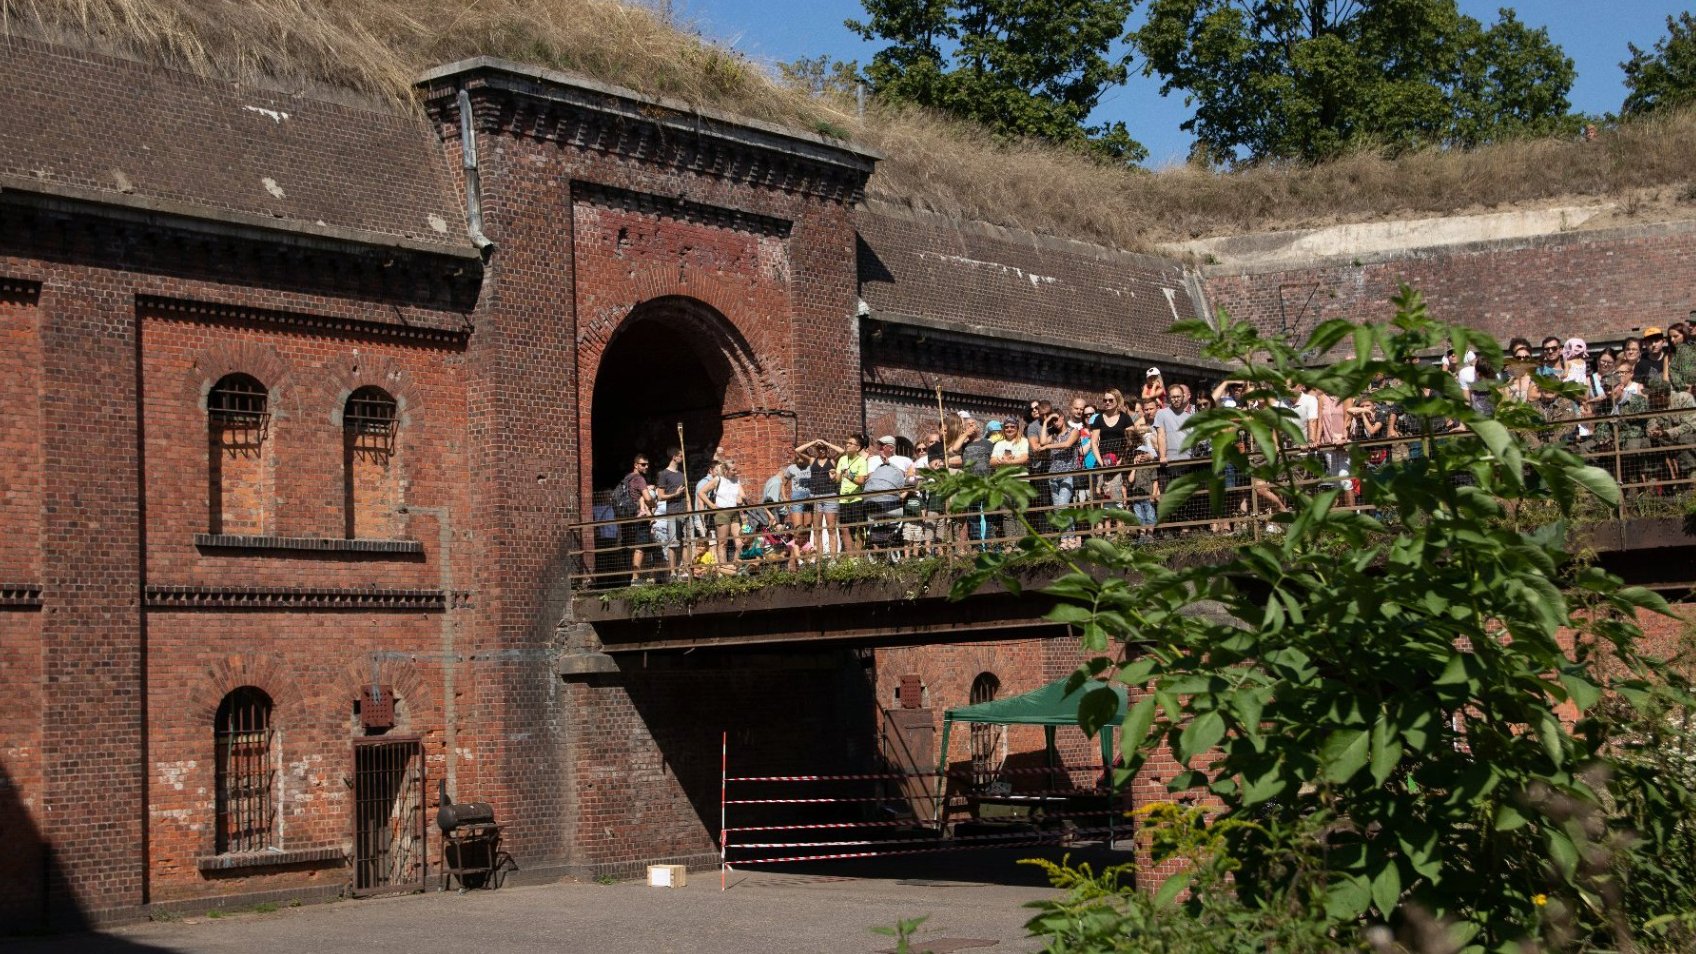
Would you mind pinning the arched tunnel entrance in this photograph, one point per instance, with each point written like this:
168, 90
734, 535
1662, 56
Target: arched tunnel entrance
676, 361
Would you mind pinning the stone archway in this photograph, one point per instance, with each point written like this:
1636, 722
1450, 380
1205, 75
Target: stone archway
677, 360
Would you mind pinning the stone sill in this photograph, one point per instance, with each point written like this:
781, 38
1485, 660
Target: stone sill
229, 541
268, 859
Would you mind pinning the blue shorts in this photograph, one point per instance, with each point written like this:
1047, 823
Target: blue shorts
798, 497
828, 506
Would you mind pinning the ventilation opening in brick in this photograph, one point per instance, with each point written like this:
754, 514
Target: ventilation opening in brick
370, 475
238, 424
662, 368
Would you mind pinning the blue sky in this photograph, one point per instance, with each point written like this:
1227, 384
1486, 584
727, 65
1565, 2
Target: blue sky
1593, 32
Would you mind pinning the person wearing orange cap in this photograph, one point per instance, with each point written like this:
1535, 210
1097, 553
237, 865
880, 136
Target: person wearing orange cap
1653, 363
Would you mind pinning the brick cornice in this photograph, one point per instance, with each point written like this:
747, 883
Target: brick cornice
26, 595
517, 100
296, 598
19, 291
191, 310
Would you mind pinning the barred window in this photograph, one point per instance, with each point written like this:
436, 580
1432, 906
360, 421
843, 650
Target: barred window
989, 742
245, 772
238, 402
370, 420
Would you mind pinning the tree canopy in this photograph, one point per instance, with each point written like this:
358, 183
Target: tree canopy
1666, 75
1023, 68
1307, 79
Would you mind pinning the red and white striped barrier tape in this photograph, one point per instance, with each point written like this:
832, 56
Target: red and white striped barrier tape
818, 826
906, 841
896, 776
1038, 840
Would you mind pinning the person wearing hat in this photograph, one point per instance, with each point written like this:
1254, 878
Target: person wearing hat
1014, 449
1653, 363
1154, 386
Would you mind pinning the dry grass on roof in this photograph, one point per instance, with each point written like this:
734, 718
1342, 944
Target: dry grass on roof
376, 49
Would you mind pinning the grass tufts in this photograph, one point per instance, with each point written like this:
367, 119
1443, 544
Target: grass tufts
375, 49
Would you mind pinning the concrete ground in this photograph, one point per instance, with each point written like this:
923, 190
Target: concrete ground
974, 901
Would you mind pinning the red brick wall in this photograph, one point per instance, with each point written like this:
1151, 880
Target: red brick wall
309, 378
73, 753
20, 447
196, 657
561, 283
1600, 286
625, 259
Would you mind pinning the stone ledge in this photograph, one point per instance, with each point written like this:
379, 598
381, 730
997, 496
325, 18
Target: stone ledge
269, 859
572, 665
231, 541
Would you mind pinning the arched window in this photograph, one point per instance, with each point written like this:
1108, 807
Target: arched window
246, 773
238, 418
989, 742
369, 487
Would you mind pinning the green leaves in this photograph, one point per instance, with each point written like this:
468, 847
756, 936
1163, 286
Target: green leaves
1308, 79
1344, 753
1200, 736
1377, 702
1035, 69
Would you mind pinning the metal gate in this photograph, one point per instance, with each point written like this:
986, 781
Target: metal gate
388, 816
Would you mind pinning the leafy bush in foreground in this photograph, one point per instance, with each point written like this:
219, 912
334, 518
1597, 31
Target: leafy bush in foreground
1442, 716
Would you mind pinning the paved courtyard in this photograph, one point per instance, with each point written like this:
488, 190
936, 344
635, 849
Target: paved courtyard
973, 900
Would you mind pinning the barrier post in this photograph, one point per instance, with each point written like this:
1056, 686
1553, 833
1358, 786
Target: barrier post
723, 830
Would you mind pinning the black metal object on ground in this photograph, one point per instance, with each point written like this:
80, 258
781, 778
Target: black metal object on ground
471, 843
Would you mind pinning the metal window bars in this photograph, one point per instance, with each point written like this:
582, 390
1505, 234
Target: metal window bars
238, 410
1651, 455
245, 773
371, 420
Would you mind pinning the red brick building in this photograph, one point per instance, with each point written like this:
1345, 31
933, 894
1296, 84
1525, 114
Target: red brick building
303, 399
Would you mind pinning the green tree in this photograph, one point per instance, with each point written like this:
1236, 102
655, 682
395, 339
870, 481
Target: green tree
1381, 700
1666, 75
1307, 79
1023, 68
821, 75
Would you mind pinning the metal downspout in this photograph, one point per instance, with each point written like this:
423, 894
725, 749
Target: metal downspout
473, 185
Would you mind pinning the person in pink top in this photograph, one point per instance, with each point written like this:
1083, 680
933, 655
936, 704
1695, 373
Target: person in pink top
1334, 441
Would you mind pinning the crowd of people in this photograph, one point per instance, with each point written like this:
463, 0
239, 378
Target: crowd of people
1117, 451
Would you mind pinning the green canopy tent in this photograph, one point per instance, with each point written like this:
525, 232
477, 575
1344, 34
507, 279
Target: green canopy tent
1050, 707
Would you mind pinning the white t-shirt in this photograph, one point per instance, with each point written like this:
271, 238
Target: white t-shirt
1468, 377
904, 463
1307, 407
1011, 448
728, 493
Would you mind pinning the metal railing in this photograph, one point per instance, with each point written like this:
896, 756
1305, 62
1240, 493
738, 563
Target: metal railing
1649, 455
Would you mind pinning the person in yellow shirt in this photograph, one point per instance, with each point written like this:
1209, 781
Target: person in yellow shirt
852, 469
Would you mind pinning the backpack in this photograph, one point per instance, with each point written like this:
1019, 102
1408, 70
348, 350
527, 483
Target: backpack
624, 498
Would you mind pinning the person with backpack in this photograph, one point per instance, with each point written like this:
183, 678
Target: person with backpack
633, 498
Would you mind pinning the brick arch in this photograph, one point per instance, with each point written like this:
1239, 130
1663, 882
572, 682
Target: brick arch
401, 675
226, 674
747, 367
375, 371
260, 361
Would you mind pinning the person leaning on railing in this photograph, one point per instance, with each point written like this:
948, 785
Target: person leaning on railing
1676, 430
